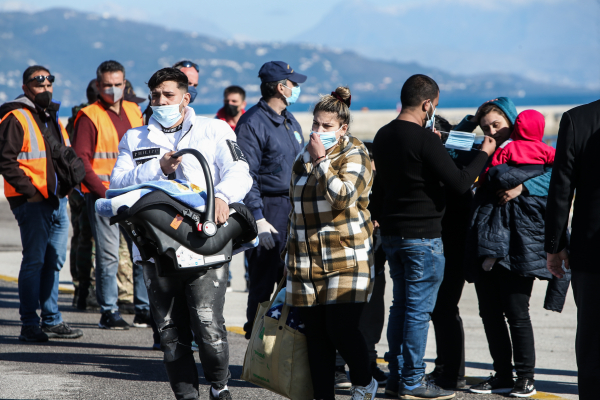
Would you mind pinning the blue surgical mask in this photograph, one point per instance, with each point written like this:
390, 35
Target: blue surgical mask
328, 139
430, 122
193, 92
295, 94
166, 116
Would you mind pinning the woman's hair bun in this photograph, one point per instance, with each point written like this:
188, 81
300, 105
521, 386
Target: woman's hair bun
342, 93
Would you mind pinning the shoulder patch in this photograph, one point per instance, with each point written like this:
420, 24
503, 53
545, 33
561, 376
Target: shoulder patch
298, 137
236, 152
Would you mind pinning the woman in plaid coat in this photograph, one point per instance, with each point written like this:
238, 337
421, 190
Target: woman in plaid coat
329, 256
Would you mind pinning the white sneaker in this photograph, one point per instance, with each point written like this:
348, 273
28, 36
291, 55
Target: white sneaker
365, 392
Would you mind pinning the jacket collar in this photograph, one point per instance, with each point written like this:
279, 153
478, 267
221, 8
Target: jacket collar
273, 116
157, 136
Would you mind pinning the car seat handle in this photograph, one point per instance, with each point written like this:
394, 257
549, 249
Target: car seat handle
210, 192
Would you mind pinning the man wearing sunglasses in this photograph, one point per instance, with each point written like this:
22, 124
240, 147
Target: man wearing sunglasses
99, 128
28, 126
192, 71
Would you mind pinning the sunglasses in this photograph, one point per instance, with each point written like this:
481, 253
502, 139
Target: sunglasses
187, 64
41, 78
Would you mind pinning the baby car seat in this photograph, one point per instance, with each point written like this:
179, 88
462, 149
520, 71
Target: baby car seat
164, 229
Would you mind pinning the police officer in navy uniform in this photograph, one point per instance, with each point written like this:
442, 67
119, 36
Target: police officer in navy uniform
271, 138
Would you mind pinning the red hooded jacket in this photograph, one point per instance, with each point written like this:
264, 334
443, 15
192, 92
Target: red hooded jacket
526, 146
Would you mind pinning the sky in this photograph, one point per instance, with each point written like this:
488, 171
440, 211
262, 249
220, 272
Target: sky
274, 20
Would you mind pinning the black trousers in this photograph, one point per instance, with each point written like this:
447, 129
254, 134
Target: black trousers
180, 305
373, 315
586, 290
502, 293
331, 327
265, 267
447, 323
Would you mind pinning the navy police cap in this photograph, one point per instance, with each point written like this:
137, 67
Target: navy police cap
277, 71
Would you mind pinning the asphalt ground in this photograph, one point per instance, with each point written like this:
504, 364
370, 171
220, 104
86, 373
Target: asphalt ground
104, 364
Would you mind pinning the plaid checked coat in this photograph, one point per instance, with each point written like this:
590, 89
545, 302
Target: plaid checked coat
328, 255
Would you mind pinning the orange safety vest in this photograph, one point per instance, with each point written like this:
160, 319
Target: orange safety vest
32, 158
107, 142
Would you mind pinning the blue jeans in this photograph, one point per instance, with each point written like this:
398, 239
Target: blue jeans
417, 271
44, 236
107, 239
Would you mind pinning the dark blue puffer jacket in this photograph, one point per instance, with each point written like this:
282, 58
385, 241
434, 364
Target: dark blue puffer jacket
512, 233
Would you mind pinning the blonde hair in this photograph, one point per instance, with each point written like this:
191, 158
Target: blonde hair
332, 103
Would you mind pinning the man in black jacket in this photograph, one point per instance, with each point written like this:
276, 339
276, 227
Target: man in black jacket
576, 168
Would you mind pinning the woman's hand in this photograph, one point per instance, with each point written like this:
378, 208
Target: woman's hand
508, 195
315, 148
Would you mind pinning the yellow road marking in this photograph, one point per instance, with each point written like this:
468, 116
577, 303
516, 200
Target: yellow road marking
16, 280
236, 329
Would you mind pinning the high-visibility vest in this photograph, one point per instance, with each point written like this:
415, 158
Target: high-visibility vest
32, 158
107, 142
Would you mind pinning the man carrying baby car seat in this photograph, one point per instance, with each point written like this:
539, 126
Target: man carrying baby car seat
191, 302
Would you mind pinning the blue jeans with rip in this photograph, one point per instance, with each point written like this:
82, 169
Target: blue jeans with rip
107, 239
417, 271
44, 236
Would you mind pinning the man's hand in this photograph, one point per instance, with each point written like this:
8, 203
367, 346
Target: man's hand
554, 263
169, 164
221, 211
265, 233
375, 226
315, 148
37, 197
508, 195
488, 145
437, 133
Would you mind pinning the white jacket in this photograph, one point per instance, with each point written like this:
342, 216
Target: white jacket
142, 148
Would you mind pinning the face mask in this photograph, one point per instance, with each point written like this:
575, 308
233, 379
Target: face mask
43, 99
230, 109
115, 92
294, 97
460, 140
166, 116
430, 121
193, 92
328, 139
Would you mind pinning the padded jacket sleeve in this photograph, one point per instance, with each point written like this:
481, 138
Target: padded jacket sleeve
251, 145
234, 177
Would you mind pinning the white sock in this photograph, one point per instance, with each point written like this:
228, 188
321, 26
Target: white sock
216, 393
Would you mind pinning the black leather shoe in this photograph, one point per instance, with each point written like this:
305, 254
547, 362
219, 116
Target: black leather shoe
524, 387
32, 333
494, 384
224, 395
62, 331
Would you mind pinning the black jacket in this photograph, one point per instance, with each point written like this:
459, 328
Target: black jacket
512, 233
576, 169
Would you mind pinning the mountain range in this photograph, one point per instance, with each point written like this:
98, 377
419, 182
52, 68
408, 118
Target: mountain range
72, 44
544, 40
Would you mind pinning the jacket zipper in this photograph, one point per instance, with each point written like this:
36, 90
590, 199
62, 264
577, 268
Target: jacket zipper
177, 149
310, 277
